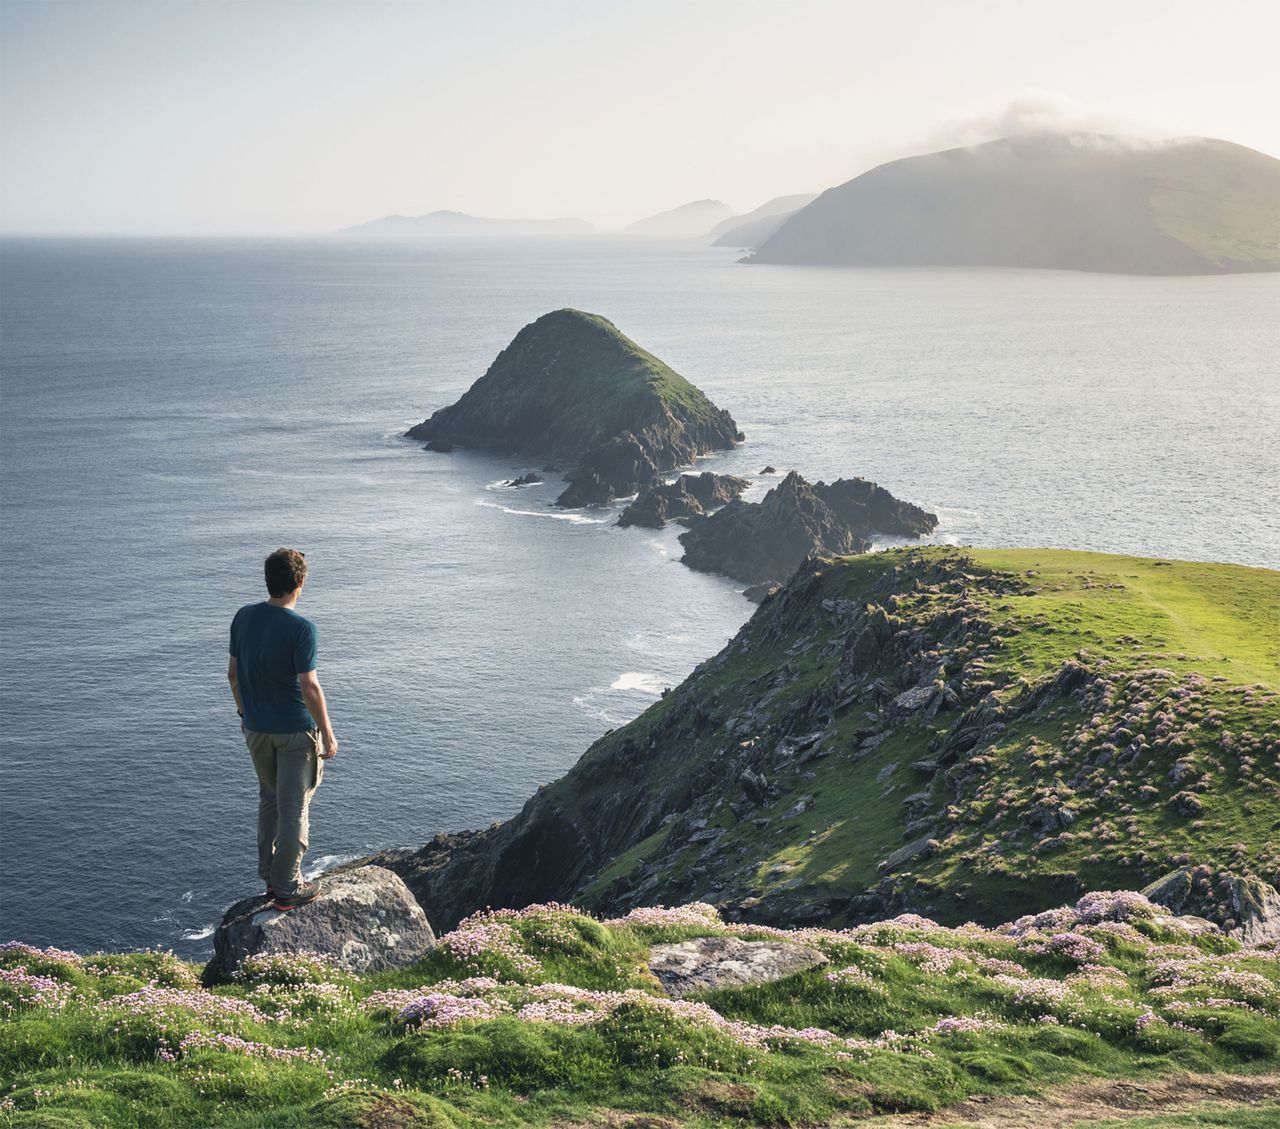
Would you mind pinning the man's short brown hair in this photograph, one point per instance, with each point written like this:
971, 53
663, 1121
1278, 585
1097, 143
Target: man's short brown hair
286, 569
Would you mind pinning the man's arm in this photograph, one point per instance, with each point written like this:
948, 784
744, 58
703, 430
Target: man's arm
235, 685
314, 697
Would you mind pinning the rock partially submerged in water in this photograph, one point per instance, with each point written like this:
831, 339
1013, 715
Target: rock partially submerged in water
524, 479
366, 920
690, 495
572, 388
765, 541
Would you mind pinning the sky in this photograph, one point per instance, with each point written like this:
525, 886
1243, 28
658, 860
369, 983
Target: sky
303, 116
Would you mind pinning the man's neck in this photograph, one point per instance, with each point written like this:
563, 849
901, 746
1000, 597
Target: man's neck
287, 601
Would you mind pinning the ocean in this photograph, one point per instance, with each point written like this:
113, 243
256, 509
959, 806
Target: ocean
173, 409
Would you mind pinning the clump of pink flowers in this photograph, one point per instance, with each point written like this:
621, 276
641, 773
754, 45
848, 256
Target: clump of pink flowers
201, 1039
21, 989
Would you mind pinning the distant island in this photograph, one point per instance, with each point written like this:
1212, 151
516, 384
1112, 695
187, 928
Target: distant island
459, 223
695, 218
752, 228
1089, 202
573, 389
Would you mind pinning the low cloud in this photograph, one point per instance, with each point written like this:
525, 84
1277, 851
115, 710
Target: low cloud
1045, 111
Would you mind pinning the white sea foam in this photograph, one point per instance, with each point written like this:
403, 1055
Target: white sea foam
198, 934
575, 519
635, 680
325, 862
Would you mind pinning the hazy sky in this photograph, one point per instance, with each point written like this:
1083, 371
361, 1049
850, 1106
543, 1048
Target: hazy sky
289, 116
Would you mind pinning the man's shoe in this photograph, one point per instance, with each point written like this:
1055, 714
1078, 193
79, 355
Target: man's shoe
306, 893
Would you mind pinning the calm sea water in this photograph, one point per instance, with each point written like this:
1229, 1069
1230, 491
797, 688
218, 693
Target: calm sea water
174, 409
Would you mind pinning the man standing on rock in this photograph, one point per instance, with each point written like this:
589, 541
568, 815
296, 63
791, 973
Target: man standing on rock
285, 723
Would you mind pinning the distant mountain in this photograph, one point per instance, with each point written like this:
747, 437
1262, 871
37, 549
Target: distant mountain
459, 223
1085, 202
776, 210
754, 233
695, 218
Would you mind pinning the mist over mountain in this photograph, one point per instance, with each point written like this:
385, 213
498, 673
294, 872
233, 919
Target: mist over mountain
459, 223
1092, 202
776, 209
694, 218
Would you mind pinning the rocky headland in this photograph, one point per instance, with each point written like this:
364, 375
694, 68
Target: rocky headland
572, 389
764, 542
968, 734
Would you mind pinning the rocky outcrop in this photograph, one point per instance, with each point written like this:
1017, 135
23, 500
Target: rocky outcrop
762, 542
1246, 908
570, 387
366, 920
706, 963
690, 495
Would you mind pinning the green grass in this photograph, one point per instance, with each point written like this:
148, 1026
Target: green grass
923, 1023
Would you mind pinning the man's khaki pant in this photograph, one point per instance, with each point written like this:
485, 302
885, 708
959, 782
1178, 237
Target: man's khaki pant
289, 769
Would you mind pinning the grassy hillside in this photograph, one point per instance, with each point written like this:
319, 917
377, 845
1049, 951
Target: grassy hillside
969, 734
551, 1017
1082, 202
1166, 664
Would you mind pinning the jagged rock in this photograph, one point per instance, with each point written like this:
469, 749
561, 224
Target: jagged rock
572, 388
911, 700
1252, 906
755, 786
769, 470
690, 495
758, 541
366, 921
705, 963
758, 593
524, 480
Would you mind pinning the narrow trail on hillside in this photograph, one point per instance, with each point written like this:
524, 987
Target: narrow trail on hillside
1098, 1100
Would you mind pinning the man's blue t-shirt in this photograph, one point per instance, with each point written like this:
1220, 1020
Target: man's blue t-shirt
272, 646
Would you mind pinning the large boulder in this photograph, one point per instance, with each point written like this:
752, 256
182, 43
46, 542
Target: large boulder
705, 963
366, 920
1246, 908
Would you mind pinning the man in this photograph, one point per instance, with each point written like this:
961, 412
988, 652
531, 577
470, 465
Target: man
285, 723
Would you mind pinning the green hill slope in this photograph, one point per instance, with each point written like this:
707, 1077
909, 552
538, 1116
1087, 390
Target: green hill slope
970, 734
1082, 202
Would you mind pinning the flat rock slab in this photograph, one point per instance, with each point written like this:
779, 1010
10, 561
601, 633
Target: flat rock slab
704, 963
366, 920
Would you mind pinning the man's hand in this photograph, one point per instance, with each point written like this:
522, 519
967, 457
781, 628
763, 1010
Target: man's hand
314, 697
